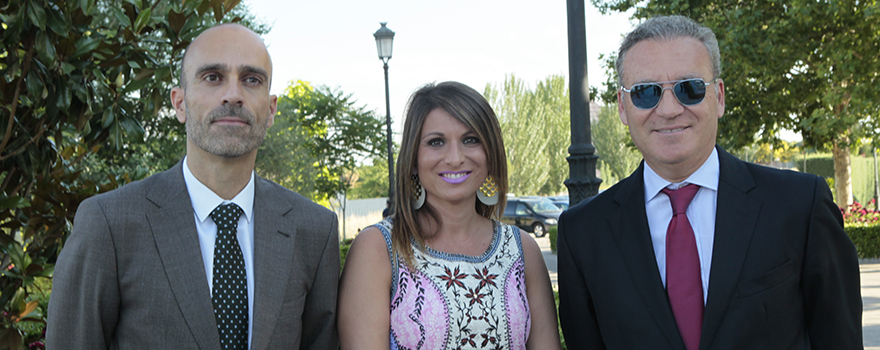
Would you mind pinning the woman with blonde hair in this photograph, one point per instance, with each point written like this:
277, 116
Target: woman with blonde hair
442, 272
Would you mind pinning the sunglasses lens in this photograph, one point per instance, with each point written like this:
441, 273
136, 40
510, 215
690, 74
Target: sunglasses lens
690, 92
645, 96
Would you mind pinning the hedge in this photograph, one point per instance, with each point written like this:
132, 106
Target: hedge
866, 239
553, 233
862, 172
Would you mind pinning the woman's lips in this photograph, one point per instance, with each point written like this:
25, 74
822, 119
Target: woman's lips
455, 177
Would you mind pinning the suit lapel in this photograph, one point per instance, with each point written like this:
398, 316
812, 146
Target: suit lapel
735, 221
632, 235
177, 242
273, 255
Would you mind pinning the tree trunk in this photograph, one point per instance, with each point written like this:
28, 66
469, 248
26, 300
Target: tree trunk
842, 178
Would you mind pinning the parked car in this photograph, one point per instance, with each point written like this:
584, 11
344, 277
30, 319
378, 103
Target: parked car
532, 214
562, 205
560, 201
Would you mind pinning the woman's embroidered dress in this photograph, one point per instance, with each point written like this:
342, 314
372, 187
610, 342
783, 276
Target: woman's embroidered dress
460, 302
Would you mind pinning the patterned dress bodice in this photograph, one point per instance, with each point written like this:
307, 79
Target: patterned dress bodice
460, 302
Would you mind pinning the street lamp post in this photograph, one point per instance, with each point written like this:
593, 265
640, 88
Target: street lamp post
384, 44
582, 182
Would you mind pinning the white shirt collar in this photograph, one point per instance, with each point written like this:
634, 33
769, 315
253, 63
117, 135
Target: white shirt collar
204, 200
706, 176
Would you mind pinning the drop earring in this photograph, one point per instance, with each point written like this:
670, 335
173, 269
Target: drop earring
418, 193
488, 192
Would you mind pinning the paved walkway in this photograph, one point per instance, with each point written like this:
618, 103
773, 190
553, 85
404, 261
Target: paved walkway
870, 279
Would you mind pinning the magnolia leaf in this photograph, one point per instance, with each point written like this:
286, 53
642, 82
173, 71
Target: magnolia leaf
218, 10
14, 202
84, 45
10, 339
56, 22
66, 68
134, 85
107, 118
203, 7
142, 20
176, 20
45, 49
230, 4
30, 307
64, 96
37, 15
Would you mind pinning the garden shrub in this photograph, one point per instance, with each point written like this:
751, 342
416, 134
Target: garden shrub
866, 239
344, 246
862, 225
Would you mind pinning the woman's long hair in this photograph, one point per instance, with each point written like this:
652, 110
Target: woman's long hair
471, 109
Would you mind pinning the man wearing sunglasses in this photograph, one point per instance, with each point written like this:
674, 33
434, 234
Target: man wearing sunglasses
698, 249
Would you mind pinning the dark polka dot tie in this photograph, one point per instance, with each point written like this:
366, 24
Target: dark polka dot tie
229, 295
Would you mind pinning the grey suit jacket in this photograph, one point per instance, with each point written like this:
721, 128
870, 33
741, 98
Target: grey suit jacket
131, 274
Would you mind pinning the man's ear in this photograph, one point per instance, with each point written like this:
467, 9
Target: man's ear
178, 101
273, 109
719, 93
620, 109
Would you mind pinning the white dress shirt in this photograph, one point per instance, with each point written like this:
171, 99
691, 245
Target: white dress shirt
204, 200
700, 213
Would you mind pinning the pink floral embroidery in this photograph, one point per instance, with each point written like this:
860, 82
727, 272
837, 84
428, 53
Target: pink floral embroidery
419, 319
440, 306
517, 307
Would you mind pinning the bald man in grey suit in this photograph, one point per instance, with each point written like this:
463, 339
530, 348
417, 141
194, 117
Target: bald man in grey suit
137, 271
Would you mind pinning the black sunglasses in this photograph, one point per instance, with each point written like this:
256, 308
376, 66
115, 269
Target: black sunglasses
689, 92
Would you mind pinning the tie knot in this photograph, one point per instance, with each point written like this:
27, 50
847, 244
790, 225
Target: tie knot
681, 197
226, 214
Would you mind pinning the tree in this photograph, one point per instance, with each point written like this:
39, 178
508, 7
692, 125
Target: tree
536, 130
618, 157
76, 75
804, 65
322, 138
552, 97
372, 180
163, 143
766, 153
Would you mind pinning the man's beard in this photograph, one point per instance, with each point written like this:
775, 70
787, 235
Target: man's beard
226, 140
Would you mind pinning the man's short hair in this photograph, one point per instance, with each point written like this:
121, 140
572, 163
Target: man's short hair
668, 28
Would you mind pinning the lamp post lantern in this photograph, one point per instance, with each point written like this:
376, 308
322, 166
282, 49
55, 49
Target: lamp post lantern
384, 44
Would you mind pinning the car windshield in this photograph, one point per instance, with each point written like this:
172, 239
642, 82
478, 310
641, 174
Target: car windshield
543, 206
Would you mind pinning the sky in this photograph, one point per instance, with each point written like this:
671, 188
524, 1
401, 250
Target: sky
477, 43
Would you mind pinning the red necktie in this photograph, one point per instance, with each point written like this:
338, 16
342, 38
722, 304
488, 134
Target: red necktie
683, 283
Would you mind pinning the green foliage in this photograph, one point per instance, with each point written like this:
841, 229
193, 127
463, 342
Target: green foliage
819, 164
372, 181
767, 153
320, 137
344, 246
537, 133
866, 240
553, 232
78, 76
618, 157
862, 173
561, 337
